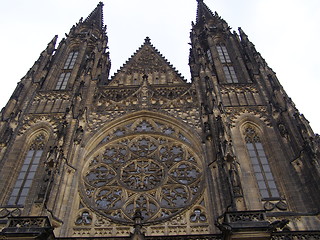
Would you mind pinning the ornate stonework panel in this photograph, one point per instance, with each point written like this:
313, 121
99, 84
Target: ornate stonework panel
240, 95
260, 112
193, 221
50, 102
179, 102
147, 60
31, 120
143, 165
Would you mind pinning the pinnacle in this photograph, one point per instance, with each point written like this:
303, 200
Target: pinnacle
147, 40
96, 16
203, 11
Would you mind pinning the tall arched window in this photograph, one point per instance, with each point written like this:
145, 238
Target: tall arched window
228, 69
260, 164
63, 81
66, 71
27, 172
71, 60
223, 53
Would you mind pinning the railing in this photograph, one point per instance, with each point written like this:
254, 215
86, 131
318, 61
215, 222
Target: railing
252, 216
310, 235
28, 222
189, 237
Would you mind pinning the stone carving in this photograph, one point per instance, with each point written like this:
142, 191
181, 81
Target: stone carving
29, 222
6, 136
173, 99
198, 216
240, 95
235, 112
48, 102
84, 219
246, 217
159, 176
31, 120
9, 212
295, 235
78, 135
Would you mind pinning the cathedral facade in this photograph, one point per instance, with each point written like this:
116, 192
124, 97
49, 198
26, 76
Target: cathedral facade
146, 154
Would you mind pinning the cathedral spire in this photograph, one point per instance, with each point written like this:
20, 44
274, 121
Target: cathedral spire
203, 11
96, 16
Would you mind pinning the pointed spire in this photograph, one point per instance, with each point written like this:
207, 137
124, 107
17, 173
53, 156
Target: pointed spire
96, 17
203, 11
51, 45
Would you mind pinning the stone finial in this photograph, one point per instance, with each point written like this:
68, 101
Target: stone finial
147, 40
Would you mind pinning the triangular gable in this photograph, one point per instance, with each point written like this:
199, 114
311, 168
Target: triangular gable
147, 60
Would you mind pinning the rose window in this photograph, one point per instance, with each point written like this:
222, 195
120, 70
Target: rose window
142, 174
158, 175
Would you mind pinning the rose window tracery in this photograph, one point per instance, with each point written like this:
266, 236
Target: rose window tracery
155, 173
142, 174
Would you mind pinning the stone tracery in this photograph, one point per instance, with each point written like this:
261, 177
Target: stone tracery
155, 172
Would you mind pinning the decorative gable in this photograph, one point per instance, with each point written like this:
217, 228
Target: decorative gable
147, 60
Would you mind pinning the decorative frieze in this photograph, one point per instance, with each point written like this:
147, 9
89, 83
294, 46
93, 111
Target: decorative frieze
240, 95
50, 102
260, 112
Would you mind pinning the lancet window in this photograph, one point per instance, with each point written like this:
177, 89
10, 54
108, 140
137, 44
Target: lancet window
260, 164
209, 56
63, 81
223, 53
71, 60
230, 74
27, 172
228, 69
66, 71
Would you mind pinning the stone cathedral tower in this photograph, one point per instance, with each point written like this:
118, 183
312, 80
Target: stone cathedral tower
146, 154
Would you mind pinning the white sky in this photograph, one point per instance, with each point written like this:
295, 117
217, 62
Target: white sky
285, 32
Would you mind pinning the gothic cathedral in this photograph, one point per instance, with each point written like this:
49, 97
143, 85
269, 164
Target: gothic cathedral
146, 154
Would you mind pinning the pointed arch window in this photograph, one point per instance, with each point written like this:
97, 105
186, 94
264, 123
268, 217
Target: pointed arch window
260, 164
63, 81
209, 56
27, 172
230, 74
228, 69
223, 53
71, 60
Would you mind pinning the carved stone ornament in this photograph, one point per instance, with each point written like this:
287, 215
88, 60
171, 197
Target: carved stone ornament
260, 112
155, 173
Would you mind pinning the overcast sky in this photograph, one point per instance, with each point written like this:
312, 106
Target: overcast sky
285, 32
